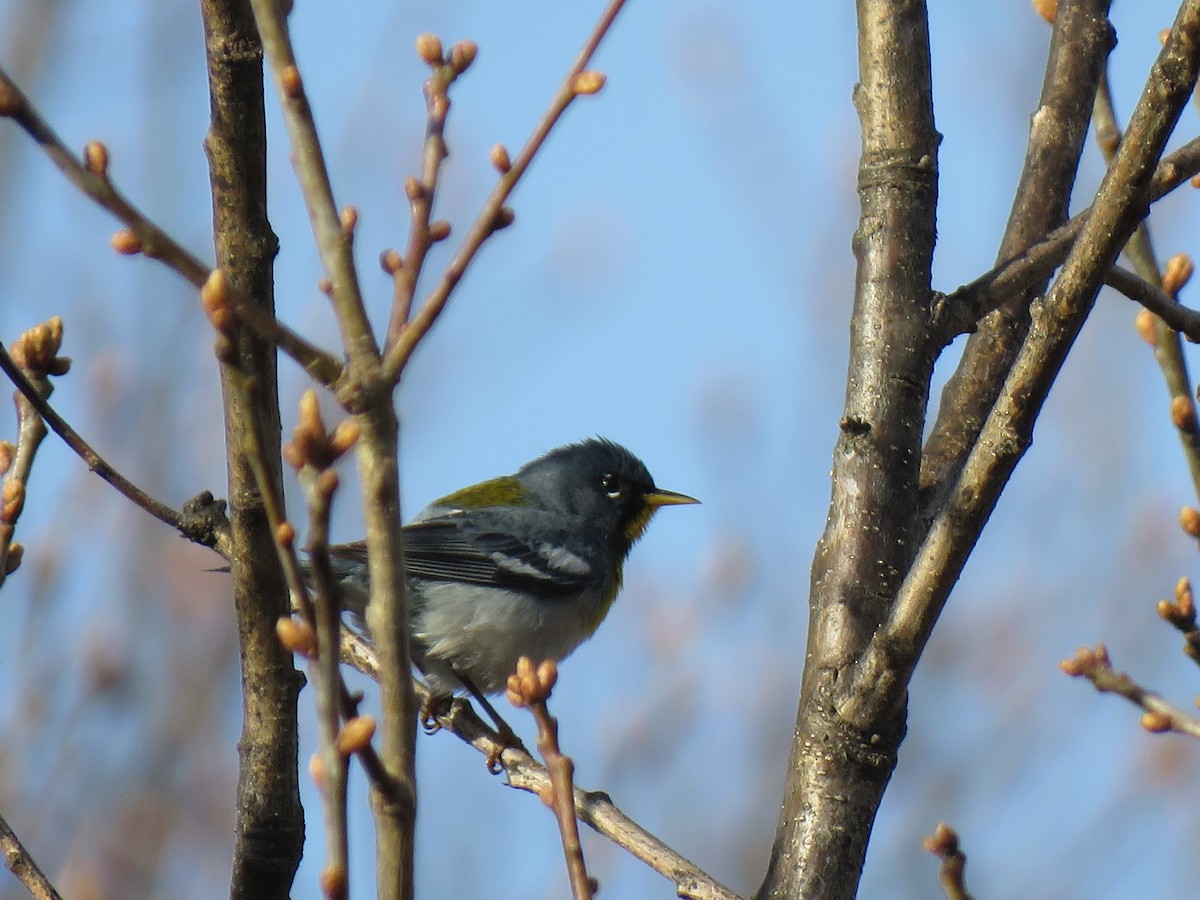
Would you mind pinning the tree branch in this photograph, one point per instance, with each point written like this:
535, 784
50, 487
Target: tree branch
961, 311
1155, 299
84, 450
269, 835
147, 238
18, 861
838, 770
594, 808
882, 677
1168, 349
1080, 43
1160, 715
492, 216
333, 243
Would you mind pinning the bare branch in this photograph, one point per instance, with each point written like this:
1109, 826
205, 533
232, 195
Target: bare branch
1168, 350
147, 238
959, 312
882, 676
22, 865
530, 688
492, 216
1079, 45
943, 843
333, 243
1155, 299
593, 808
84, 450
1160, 716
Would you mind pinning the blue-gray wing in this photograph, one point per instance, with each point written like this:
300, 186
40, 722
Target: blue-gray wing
477, 551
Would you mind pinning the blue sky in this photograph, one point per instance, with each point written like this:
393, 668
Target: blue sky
679, 279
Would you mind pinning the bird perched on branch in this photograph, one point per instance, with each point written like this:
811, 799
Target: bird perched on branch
524, 565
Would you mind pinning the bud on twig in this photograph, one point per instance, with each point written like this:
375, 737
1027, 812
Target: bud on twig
355, 735
500, 159
297, 636
588, 82
1189, 521
1047, 9
291, 82
95, 158
429, 48
126, 243
1177, 273
1146, 324
1183, 413
462, 55
391, 261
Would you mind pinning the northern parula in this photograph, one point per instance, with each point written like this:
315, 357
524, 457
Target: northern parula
524, 565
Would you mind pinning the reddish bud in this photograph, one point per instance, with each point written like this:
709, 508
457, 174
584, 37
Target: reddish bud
501, 161
391, 261
1177, 273
462, 55
588, 82
291, 82
126, 242
429, 48
1146, 324
355, 735
95, 158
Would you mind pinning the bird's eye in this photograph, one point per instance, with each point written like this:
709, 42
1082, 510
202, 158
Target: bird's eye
611, 486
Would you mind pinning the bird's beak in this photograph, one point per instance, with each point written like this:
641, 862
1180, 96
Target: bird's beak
659, 497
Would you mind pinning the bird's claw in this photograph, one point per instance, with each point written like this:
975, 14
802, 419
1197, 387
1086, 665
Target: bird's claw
430, 707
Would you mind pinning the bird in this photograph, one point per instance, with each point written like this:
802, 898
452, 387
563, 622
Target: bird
527, 564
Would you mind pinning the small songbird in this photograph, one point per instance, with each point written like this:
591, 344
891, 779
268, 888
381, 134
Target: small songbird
524, 565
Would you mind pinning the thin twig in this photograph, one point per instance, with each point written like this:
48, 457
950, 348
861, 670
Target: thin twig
1155, 299
1168, 350
333, 243
958, 312
944, 844
22, 865
1160, 715
530, 688
152, 241
84, 450
422, 192
594, 808
328, 686
491, 216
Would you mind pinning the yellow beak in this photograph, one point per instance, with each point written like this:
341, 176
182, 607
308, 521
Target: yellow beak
659, 497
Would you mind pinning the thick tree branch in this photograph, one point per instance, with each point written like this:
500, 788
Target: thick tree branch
837, 774
1079, 47
882, 677
270, 820
368, 396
